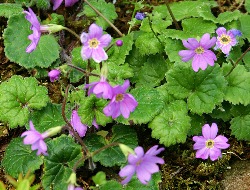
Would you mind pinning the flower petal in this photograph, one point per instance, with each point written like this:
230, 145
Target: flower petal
215, 153
221, 30
128, 171
69, 3
86, 52
202, 153
221, 142
56, 3
105, 40
200, 142
213, 130
206, 131
142, 174
99, 55
95, 31
186, 55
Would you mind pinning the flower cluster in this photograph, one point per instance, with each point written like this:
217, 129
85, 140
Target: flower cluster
144, 165
199, 51
121, 102
210, 145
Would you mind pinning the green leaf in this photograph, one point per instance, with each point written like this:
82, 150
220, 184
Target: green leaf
19, 158
48, 117
8, 9
45, 53
172, 124
228, 16
18, 96
222, 111
245, 27
153, 184
99, 178
197, 122
27, 3
206, 14
113, 155
149, 105
153, 71
111, 185
203, 89
240, 110
63, 153
172, 49
23, 185
148, 44
247, 5
238, 87
107, 9
92, 108
43, 4
240, 127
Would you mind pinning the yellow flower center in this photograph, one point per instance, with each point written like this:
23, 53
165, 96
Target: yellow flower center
119, 97
199, 50
210, 143
93, 43
225, 39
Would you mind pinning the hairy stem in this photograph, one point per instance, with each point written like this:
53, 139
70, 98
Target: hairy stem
172, 16
151, 27
72, 32
104, 147
82, 70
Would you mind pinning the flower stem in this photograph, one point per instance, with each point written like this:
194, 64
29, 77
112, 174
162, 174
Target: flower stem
104, 147
87, 77
82, 70
151, 27
72, 32
172, 16
113, 26
237, 62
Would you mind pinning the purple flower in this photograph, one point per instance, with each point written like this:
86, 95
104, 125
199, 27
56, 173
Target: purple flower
119, 42
68, 3
225, 40
144, 165
93, 44
35, 139
140, 16
76, 123
100, 89
72, 187
199, 52
54, 75
236, 32
208, 144
121, 102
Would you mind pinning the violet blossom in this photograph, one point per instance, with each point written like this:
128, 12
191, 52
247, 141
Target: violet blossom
121, 102
72, 187
226, 39
77, 125
68, 3
210, 145
140, 16
54, 75
199, 52
35, 139
93, 44
100, 89
144, 165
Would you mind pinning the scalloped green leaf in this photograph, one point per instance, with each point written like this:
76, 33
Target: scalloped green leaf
172, 49
148, 44
228, 16
44, 55
153, 71
203, 90
222, 111
19, 158
247, 5
9, 9
48, 117
245, 27
18, 96
206, 14
171, 126
237, 91
197, 122
240, 127
113, 155
150, 103
107, 9
111, 185
43, 4
92, 108
63, 153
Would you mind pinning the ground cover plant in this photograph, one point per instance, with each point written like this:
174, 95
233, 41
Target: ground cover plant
102, 94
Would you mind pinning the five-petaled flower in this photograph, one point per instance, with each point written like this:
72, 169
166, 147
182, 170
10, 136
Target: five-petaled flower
68, 3
144, 165
210, 145
199, 51
93, 44
77, 125
54, 75
121, 102
226, 39
100, 89
36, 139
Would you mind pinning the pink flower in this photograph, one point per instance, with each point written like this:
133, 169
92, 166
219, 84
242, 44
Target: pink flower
199, 52
226, 39
210, 145
54, 75
100, 89
35, 139
76, 123
36, 28
72, 187
121, 102
144, 165
68, 3
93, 44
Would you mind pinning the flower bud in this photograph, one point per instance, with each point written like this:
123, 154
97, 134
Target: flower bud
119, 43
126, 150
